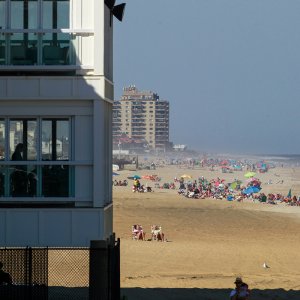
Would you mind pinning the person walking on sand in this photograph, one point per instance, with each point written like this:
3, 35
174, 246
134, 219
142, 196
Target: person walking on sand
241, 291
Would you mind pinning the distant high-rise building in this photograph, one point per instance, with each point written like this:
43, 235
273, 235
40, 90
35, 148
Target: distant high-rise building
141, 116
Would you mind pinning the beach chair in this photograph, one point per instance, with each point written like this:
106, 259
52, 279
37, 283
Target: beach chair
157, 234
137, 233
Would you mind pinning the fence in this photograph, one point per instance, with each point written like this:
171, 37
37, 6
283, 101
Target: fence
62, 273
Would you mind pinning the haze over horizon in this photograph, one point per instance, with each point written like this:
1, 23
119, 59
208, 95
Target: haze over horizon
230, 69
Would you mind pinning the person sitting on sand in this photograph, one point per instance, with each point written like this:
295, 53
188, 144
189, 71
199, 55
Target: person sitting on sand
138, 232
241, 291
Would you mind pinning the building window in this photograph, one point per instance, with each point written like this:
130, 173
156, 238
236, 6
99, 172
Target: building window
32, 32
35, 158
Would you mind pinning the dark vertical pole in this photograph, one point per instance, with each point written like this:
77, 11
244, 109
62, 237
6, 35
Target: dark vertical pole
98, 283
30, 287
25, 139
54, 21
25, 21
115, 288
54, 137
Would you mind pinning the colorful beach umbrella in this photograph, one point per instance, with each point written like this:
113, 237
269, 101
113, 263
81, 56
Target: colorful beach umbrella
249, 174
251, 190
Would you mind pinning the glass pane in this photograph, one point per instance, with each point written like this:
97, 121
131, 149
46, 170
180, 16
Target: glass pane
18, 181
56, 48
2, 49
2, 180
24, 14
56, 14
46, 140
16, 148
2, 139
62, 140
23, 49
2, 14
22, 133
32, 180
32, 140
23, 181
55, 181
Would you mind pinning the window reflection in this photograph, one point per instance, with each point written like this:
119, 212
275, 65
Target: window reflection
56, 49
25, 141
23, 49
2, 50
2, 181
2, 14
55, 139
56, 14
2, 139
23, 132
24, 14
55, 181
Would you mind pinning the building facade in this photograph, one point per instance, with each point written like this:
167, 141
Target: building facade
56, 95
141, 115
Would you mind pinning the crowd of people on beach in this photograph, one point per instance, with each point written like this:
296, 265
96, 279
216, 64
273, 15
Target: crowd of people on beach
218, 189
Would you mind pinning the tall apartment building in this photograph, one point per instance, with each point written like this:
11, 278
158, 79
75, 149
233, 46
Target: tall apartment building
56, 95
141, 115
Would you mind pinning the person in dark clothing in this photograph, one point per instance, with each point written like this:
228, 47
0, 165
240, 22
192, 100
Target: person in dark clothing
17, 155
5, 278
19, 178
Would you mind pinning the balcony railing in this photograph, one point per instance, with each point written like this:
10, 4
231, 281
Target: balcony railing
40, 49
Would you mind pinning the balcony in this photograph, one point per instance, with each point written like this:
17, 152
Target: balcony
40, 50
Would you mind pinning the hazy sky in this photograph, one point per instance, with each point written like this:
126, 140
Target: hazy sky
230, 69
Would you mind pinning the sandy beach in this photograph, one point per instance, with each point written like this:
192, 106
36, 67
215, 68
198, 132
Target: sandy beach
209, 242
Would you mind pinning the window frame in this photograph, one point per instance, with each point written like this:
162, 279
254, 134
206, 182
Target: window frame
7, 164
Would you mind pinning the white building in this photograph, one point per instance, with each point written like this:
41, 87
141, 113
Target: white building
56, 91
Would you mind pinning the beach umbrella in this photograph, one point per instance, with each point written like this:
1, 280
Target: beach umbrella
136, 176
186, 176
251, 190
115, 174
249, 174
234, 184
289, 195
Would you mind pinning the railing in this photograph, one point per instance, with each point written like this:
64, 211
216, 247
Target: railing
45, 48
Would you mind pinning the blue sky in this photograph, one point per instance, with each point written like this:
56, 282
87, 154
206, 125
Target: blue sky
230, 69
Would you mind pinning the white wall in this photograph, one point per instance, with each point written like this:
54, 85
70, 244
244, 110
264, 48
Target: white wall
53, 227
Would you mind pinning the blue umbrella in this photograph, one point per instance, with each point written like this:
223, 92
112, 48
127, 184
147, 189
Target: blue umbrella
136, 176
251, 190
115, 174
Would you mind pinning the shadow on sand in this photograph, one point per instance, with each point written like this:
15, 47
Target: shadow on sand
203, 294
